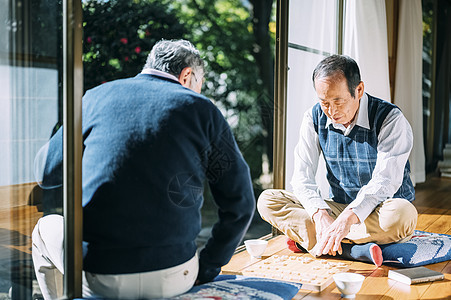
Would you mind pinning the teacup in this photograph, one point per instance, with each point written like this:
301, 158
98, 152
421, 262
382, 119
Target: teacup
348, 283
256, 247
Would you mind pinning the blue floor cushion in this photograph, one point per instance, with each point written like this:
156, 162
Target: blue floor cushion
424, 248
237, 287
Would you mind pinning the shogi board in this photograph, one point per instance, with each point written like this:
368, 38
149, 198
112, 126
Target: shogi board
314, 274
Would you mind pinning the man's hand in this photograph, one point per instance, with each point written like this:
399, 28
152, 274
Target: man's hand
330, 237
322, 221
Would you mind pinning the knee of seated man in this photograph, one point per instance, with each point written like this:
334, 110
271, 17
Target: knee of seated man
271, 199
265, 199
399, 212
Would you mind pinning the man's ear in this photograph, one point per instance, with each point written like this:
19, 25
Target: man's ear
185, 77
360, 89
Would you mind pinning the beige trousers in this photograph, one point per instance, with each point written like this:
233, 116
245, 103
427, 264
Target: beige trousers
48, 260
394, 220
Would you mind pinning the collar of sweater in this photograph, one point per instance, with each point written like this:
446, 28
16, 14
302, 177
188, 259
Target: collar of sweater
155, 72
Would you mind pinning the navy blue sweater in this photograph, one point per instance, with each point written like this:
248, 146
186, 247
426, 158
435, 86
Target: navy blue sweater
150, 145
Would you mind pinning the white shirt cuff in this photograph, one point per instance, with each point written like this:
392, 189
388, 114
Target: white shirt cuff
363, 209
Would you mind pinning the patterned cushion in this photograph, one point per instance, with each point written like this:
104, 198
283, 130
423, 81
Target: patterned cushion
424, 248
227, 287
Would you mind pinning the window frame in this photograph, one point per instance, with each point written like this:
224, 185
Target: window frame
72, 147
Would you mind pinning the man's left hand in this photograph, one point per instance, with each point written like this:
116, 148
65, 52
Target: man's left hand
330, 242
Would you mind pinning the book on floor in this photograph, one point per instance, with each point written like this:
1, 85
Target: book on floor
415, 275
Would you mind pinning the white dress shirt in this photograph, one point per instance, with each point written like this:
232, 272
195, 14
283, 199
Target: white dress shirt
395, 142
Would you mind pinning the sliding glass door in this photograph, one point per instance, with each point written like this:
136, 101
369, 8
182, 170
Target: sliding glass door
38, 94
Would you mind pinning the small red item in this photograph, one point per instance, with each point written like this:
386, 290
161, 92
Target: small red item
292, 246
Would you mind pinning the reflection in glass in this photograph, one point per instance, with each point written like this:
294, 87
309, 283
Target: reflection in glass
239, 67
30, 73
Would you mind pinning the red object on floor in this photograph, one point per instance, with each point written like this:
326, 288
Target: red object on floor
292, 246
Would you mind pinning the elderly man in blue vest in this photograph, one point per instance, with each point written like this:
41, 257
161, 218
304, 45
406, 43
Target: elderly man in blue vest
150, 144
366, 144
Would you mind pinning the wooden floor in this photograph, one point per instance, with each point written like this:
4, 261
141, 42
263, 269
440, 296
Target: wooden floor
433, 202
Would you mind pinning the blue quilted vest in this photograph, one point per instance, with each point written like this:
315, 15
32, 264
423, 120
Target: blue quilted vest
350, 160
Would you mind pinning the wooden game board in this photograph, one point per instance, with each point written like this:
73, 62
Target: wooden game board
314, 274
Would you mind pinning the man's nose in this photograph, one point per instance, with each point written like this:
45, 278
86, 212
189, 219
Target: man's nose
332, 109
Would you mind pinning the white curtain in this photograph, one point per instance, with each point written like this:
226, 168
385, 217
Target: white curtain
365, 40
408, 79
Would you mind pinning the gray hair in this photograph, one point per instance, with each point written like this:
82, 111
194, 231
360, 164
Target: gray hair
172, 56
339, 64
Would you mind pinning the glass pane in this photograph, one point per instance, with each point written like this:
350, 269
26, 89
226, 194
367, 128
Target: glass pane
30, 64
300, 97
312, 35
312, 24
238, 80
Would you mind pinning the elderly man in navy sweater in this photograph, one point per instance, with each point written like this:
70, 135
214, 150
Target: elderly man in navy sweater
150, 143
366, 143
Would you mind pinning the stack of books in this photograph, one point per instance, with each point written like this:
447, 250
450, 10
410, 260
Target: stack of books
444, 165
